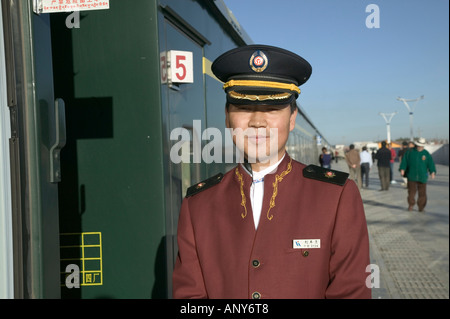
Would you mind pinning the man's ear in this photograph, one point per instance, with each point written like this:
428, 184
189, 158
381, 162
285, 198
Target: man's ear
292, 120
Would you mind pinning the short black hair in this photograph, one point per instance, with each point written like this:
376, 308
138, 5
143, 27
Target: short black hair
293, 106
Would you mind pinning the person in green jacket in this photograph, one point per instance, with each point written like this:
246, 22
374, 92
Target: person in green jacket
415, 165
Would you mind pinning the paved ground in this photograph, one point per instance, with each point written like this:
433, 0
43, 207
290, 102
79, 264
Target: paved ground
411, 249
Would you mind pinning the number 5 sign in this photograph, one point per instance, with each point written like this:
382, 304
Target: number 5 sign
181, 69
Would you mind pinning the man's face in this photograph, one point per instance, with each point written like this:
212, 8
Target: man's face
261, 131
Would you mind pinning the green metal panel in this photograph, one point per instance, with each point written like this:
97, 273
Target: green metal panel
107, 71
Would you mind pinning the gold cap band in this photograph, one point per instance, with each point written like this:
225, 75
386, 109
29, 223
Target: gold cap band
266, 84
272, 97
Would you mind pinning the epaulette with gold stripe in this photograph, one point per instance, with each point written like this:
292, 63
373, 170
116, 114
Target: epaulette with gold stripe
325, 175
207, 183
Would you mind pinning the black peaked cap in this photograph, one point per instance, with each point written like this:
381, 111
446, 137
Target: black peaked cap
261, 74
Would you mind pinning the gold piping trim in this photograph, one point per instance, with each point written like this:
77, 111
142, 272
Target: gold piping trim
268, 84
243, 202
278, 179
239, 96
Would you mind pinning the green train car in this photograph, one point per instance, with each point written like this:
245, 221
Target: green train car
90, 106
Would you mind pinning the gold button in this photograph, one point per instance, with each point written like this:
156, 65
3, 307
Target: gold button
256, 263
200, 185
305, 253
256, 295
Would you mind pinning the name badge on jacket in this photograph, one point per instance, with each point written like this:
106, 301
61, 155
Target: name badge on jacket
305, 243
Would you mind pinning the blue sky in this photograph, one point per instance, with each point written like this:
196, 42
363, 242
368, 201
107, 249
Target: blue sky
359, 72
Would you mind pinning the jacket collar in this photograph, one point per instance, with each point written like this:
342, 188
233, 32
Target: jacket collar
247, 174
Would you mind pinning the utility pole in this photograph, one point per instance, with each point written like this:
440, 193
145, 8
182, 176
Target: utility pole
411, 111
388, 118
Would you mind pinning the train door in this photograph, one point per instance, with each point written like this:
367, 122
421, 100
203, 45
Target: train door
111, 194
184, 110
6, 250
35, 140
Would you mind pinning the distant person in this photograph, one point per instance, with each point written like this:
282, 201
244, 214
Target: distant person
391, 164
336, 153
325, 158
383, 157
402, 152
354, 165
415, 165
366, 165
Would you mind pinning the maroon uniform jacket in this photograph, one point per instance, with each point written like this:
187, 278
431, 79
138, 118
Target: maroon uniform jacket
221, 255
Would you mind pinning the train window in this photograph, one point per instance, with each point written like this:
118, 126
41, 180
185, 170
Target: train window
182, 104
176, 20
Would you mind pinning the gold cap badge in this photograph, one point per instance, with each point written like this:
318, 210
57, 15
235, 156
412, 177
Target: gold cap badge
259, 61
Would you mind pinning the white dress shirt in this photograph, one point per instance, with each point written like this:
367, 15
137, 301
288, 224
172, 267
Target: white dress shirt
257, 190
366, 157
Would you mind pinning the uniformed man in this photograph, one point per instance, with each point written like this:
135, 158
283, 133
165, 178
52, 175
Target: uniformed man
270, 229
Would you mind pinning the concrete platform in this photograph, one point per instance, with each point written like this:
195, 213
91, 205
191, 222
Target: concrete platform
411, 249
